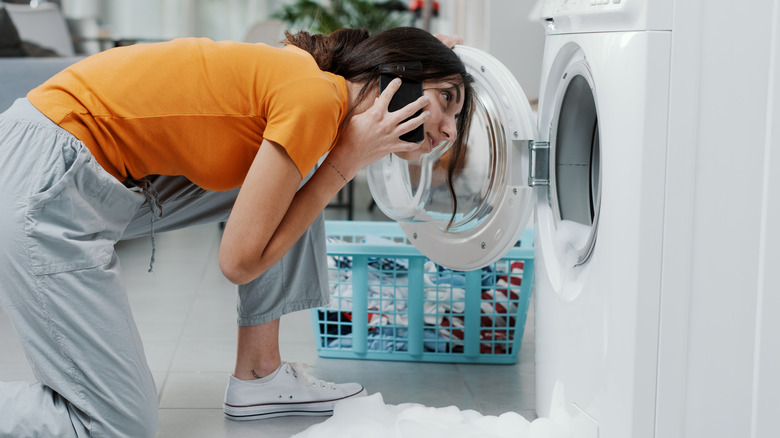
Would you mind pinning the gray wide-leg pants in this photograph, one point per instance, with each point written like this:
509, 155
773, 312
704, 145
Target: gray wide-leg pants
61, 286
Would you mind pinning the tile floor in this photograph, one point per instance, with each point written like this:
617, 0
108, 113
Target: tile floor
185, 311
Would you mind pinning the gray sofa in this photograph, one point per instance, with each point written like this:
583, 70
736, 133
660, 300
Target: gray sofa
20, 75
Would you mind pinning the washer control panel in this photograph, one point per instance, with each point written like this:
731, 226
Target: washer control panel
587, 16
568, 7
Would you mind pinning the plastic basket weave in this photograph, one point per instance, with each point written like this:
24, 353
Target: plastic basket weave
389, 302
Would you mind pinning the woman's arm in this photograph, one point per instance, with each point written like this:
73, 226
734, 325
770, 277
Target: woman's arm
269, 187
270, 213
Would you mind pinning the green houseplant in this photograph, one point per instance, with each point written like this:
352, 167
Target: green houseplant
325, 17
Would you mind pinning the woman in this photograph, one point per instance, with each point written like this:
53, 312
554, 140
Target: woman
162, 136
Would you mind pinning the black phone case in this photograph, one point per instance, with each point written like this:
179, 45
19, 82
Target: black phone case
409, 91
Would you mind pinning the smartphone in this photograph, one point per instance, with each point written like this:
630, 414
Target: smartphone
409, 91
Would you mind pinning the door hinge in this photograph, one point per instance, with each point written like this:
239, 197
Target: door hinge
539, 163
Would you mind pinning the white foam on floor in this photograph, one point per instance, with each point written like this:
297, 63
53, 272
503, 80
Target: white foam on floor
370, 417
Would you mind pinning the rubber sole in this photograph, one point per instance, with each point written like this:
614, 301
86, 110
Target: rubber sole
248, 414
271, 410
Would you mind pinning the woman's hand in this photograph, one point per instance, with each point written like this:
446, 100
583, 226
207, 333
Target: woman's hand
375, 133
449, 40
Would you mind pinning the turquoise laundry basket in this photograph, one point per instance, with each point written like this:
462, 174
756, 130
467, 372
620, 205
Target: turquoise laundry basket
389, 302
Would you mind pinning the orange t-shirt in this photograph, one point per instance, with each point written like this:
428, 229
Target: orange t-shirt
197, 108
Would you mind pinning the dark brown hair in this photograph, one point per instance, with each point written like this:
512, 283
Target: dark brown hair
358, 57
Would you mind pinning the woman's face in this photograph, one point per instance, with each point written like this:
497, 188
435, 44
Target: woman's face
445, 102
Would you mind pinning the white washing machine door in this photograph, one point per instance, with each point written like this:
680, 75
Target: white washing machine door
476, 218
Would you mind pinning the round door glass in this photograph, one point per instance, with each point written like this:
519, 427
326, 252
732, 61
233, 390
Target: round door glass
465, 208
452, 189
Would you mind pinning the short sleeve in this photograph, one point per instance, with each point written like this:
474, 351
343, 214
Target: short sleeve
303, 116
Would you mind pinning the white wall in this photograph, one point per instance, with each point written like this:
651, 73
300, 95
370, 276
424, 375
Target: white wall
517, 40
507, 29
165, 19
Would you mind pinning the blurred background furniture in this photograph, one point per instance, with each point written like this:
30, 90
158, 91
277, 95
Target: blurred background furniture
43, 24
20, 75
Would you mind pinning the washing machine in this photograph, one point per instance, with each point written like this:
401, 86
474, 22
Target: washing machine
588, 171
600, 221
642, 106
618, 172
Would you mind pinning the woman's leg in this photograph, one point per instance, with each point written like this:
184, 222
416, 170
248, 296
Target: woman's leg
263, 386
62, 290
297, 282
258, 351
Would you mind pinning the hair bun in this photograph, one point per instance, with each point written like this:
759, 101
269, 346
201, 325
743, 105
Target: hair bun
328, 50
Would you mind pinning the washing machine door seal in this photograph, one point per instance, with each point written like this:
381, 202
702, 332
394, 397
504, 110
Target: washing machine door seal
474, 220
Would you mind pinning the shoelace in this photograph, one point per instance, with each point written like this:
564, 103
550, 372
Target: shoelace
308, 379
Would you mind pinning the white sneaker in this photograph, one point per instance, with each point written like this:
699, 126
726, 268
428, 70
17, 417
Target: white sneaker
286, 392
